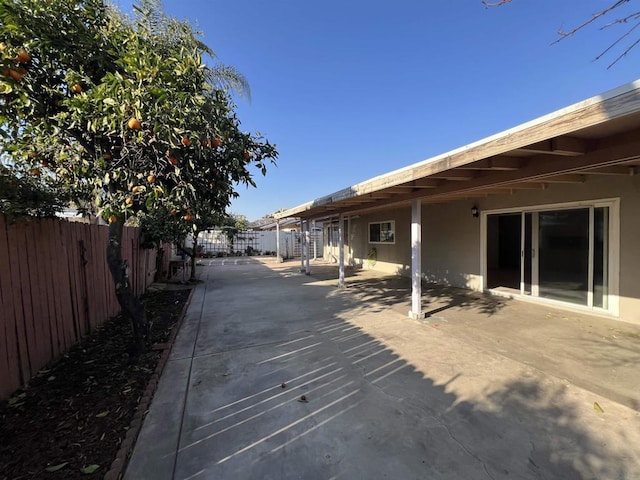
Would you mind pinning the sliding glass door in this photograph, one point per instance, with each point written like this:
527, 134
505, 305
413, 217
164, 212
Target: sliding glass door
559, 253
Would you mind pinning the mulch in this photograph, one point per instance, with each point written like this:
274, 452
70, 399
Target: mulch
70, 421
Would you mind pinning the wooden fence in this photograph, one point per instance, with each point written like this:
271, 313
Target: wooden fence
55, 288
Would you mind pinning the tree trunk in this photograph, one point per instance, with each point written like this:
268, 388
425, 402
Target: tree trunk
194, 252
131, 306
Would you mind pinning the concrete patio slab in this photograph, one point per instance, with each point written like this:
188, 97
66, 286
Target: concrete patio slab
460, 395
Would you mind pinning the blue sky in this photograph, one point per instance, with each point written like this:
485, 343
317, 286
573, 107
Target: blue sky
351, 89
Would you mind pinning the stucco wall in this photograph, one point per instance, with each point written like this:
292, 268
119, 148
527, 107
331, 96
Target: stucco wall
388, 258
451, 236
451, 245
627, 189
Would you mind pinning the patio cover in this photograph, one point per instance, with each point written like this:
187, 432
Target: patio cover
598, 136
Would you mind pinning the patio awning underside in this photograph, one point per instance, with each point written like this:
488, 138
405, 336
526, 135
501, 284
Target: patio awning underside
600, 136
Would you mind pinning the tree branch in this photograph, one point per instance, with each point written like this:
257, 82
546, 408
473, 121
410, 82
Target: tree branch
615, 43
562, 34
593, 18
495, 4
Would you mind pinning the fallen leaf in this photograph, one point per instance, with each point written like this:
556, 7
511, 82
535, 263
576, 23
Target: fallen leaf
597, 407
102, 414
89, 469
14, 400
55, 468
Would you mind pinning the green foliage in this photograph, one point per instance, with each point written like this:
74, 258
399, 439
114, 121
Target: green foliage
27, 195
68, 110
233, 224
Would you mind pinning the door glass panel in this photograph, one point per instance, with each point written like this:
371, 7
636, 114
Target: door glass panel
503, 251
563, 238
600, 256
528, 253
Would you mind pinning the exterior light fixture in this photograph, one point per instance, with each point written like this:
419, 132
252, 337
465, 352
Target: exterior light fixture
475, 212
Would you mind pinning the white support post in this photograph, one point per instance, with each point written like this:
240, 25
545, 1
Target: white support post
278, 240
341, 251
306, 241
348, 237
416, 260
315, 241
302, 268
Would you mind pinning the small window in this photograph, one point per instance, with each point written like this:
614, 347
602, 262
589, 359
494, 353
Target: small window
382, 232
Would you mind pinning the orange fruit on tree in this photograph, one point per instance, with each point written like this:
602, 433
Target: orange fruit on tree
35, 172
217, 142
77, 88
188, 217
247, 155
134, 124
113, 219
23, 56
128, 201
185, 141
151, 178
173, 160
15, 74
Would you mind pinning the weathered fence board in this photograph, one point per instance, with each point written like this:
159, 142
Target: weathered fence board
55, 288
8, 349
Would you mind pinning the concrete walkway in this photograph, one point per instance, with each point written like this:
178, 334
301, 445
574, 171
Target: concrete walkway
482, 389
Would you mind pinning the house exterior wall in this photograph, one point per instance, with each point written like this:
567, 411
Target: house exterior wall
329, 249
389, 258
451, 247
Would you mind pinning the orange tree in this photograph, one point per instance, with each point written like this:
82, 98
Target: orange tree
121, 114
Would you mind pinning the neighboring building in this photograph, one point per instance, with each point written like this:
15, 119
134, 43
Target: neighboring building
547, 211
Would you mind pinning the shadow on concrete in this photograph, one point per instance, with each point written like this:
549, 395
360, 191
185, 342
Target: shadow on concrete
264, 340
394, 291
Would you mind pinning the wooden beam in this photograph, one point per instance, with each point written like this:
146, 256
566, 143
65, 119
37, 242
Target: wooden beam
616, 170
527, 186
351, 202
506, 163
453, 198
568, 146
426, 183
566, 178
538, 147
455, 175
392, 190
496, 163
